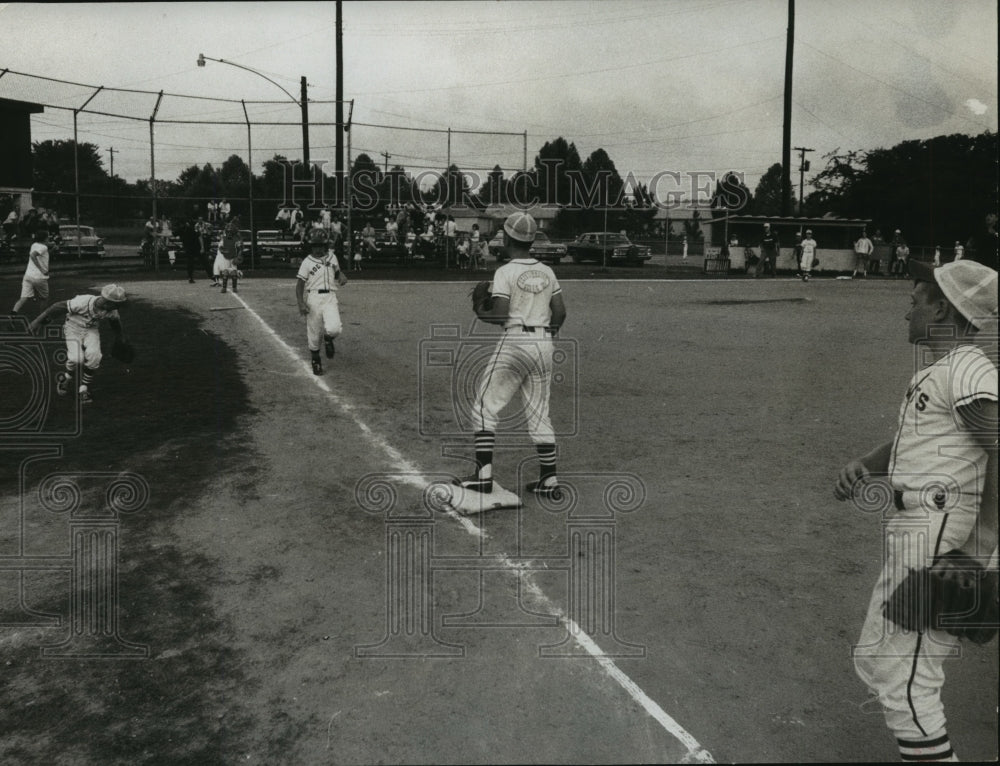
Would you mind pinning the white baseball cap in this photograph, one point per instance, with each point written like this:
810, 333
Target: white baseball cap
969, 286
520, 226
113, 293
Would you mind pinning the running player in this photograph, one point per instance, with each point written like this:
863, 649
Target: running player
82, 334
316, 291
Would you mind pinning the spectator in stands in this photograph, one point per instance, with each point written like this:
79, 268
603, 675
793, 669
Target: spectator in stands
10, 224
282, 219
959, 251
900, 255
450, 237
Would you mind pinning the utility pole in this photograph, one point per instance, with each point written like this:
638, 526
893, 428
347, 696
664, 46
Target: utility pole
786, 133
387, 157
339, 159
114, 199
803, 167
305, 125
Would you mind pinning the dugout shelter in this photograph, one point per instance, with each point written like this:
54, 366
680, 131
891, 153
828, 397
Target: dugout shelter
834, 237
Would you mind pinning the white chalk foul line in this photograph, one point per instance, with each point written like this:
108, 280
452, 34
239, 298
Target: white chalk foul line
410, 474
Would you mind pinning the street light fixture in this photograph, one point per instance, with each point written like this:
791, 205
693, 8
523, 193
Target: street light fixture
303, 103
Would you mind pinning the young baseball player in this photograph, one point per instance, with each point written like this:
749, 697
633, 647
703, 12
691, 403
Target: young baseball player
808, 255
316, 291
35, 283
227, 259
942, 468
528, 303
82, 334
863, 249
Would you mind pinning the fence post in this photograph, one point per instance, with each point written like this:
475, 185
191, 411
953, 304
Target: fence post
253, 231
76, 169
152, 172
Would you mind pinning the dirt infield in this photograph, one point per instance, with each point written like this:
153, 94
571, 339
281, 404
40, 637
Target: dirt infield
702, 425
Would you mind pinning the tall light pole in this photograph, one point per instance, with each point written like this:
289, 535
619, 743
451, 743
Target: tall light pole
303, 103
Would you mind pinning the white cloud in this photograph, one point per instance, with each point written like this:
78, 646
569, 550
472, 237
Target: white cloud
976, 106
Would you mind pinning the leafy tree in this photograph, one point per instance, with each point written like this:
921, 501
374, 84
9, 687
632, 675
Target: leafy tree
768, 195
554, 164
936, 190
731, 197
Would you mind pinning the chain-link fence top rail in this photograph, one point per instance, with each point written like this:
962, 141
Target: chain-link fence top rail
157, 135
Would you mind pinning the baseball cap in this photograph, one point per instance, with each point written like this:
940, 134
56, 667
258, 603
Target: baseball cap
809, 231
520, 226
318, 237
113, 293
969, 286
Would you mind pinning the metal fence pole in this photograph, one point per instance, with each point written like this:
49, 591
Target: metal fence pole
253, 230
76, 170
152, 171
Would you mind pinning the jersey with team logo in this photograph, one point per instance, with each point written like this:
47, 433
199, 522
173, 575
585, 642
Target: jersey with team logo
529, 285
319, 273
933, 443
82, 312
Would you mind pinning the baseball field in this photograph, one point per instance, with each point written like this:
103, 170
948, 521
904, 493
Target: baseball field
280, 586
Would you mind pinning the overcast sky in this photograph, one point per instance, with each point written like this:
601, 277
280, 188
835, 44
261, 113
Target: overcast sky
661, 85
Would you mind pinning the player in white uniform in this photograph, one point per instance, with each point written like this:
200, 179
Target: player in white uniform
227, 258
83, 336
942, 468
808, 246
528, 302
316, 291
35, 283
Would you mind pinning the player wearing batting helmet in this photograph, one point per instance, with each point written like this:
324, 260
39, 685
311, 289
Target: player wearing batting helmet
942, 469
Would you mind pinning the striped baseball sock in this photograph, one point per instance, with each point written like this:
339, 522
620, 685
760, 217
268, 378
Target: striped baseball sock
546, 460
485, 442
924, 750
87, 378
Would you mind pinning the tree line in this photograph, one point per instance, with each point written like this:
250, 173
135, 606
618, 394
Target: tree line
936, 190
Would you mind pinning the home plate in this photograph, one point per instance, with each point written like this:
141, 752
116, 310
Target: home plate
468, 501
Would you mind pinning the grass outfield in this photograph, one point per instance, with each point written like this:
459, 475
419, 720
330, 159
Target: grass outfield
258, 566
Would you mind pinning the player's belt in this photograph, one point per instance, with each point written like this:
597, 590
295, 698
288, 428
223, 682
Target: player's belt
321, 292
528, 328
915, 500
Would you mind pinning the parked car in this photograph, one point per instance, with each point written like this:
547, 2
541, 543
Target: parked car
80, 242
545, 250
616, 248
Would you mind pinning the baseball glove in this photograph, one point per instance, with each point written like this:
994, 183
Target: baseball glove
123, 351
815, 262
482, 297
964, 605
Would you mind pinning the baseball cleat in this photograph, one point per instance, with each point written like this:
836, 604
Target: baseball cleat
474, 483
85, 397
330, 350
317, 367
62, 384
547, 488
